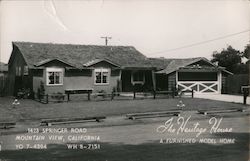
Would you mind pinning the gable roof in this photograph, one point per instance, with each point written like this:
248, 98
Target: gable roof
45, 61
178, 63
170, 65
160, 63
96, 61
78, 55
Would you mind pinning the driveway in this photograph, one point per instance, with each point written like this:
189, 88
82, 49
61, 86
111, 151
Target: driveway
223, 97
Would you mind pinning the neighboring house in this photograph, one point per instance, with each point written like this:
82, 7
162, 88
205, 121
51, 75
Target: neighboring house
64, 66
3, 69
3, 78
197, 74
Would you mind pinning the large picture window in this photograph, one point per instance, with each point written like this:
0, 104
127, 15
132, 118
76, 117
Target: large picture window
101, 76
138, 77
54, 76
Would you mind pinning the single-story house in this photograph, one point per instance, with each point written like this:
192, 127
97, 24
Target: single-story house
197, 74
61, 67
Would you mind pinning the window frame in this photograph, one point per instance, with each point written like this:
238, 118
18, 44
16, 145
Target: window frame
102, 70
18, 71
137, 82
60, 70
25, 70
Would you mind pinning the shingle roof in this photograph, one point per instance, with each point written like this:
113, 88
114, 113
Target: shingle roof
3, 67
78, 55
92, 62
167, 66
178, 63
160, 63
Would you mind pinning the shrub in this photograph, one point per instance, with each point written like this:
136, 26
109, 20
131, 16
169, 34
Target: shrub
58, 96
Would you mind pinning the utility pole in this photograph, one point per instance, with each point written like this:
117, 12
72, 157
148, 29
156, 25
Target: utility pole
106, 39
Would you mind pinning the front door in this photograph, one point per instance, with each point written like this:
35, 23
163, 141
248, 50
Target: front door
18, 84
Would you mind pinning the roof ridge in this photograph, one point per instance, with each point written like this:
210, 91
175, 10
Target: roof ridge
53, 43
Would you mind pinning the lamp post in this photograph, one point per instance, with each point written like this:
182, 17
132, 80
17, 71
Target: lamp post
181, 105
15, 103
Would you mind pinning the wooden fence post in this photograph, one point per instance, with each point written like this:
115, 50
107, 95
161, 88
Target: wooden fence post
245, 93
39, 95
68, 96
112, 95
173, 92
88, 95
47, 98
192, 93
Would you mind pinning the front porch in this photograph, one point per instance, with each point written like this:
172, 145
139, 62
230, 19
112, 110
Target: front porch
139, 80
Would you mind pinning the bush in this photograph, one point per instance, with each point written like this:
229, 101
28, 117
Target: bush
58, 96
41, 91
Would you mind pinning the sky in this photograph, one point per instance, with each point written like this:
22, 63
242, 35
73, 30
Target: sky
157, 28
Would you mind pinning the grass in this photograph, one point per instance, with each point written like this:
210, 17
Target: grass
111, 150
29, 109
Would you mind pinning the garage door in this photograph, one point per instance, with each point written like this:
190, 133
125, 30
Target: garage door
199, 86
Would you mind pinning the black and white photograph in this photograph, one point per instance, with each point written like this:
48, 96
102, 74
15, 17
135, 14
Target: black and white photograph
124, 80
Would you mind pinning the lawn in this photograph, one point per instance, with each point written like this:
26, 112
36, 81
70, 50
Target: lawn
29, 109
133, 142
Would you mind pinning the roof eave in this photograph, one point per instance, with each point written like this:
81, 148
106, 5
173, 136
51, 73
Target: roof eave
226, 71
108, 61
41, 64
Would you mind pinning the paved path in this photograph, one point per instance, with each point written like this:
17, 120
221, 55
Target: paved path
223, 97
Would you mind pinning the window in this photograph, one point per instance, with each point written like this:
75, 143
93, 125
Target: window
25, 70
54, 76
18, 71
138, 77
101, 76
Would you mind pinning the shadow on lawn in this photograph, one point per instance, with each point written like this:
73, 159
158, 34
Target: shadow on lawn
143, 152
29, 109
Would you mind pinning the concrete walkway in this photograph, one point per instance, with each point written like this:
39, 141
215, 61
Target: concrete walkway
223, 97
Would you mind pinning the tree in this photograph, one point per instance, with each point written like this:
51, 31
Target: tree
230, 58
246, 54
247, 51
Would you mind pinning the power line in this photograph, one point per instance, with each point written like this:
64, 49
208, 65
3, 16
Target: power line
202, 42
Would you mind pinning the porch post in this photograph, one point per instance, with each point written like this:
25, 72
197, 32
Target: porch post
176, 77
120, 80
153, 80
219, 80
